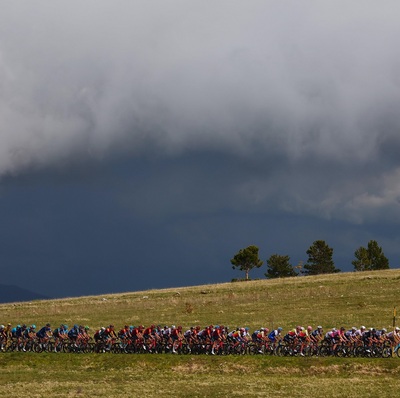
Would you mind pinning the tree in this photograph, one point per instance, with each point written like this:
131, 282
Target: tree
320, 259
370, 258
362, 262
247, 259
279, 267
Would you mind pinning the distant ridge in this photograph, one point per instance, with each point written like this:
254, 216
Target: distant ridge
11, 293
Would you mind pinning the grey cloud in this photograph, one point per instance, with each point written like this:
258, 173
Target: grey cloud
312, 86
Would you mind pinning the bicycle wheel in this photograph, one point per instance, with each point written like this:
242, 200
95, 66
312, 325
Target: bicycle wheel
359, 351
376, 352
185, 350
252, 349
340, 351
386, 352
280, 350
324, 351
37, 347
50, 346
12, 346
308, 351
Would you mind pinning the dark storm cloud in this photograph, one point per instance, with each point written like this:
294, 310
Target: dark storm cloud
180, 112
306, 79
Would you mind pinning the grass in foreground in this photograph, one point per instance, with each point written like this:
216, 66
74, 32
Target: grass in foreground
91, 375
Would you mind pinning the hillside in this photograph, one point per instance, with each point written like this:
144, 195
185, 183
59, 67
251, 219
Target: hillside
331, 300
11, 293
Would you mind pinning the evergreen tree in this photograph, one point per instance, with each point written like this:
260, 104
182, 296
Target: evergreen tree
370, 258
247, 259
320, 259
279, 267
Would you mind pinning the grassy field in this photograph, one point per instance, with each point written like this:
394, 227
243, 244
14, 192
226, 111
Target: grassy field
348, 299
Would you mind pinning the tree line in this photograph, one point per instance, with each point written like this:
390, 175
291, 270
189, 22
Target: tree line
320, 261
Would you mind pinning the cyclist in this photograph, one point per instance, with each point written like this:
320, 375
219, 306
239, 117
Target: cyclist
260, 338
191, 336
366, 336
237, 336
290, 337
110, 332
86, 334
7, 331
304, 338
217, 338
3, 337
256, 336
83, 335
124, 333
29, 335
14, 331
393, 337
19, 334
397, 335
73, 334
358, 334
349, 335
149, 337
165, 333
275, 335
136, 335
381, 335
317, 335
44, 334
333, 338
204, 335
177, 337
98, 335
60, 334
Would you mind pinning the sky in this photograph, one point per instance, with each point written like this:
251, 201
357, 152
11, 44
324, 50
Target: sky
144, 143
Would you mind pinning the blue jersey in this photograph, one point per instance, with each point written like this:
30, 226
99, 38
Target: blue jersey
273, 334
43, 332
14, 331
73, 333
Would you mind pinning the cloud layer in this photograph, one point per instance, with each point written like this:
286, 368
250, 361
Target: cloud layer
303, 95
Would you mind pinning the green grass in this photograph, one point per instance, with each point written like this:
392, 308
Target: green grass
201, 376
331, 300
